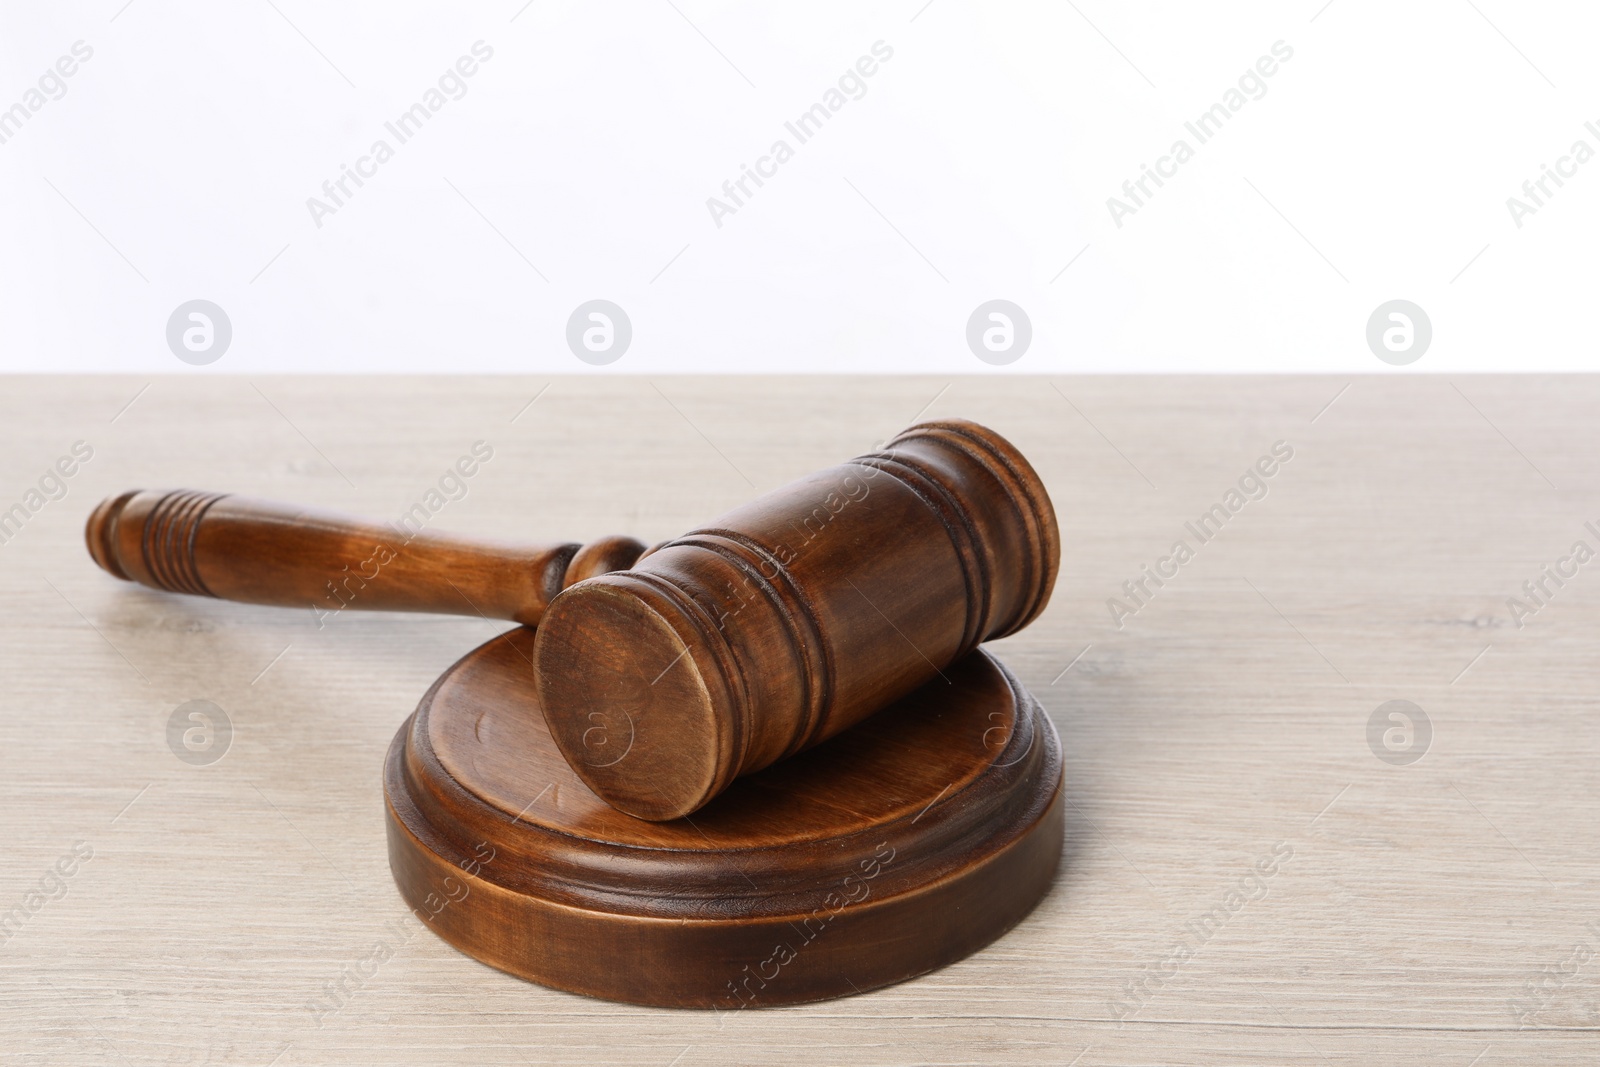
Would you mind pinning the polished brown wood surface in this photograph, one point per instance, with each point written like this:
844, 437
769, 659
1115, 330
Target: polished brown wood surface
787, 620
263, 552
908, 843
722, 652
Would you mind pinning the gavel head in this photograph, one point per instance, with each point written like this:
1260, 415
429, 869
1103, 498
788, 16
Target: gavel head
794, 616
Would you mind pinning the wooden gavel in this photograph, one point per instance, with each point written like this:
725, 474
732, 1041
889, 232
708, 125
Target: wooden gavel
719, 652
263, 552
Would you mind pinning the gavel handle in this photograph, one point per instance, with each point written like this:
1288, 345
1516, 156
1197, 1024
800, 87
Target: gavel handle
262, 552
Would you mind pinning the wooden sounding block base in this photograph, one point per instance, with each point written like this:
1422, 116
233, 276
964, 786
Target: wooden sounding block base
902, 845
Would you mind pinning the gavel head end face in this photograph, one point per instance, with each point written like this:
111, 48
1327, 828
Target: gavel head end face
647, 675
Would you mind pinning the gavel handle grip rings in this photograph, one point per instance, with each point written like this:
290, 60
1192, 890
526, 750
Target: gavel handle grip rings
263, 552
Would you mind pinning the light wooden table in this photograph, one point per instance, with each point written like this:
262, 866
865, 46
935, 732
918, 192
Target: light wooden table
1442, 912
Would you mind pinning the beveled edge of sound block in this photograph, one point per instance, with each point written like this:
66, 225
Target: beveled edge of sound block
809, 918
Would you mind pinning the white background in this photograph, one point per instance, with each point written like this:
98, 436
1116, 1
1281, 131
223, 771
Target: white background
977, 166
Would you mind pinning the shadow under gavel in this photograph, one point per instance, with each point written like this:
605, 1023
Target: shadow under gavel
664, 675
263, 552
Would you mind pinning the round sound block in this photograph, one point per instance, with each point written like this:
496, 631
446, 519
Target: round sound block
905, 843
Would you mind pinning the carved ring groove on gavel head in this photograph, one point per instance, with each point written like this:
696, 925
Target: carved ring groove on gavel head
794, 616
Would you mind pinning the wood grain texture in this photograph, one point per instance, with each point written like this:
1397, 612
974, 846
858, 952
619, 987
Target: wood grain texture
1426, 914
793, 616
908, 844
287, 555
